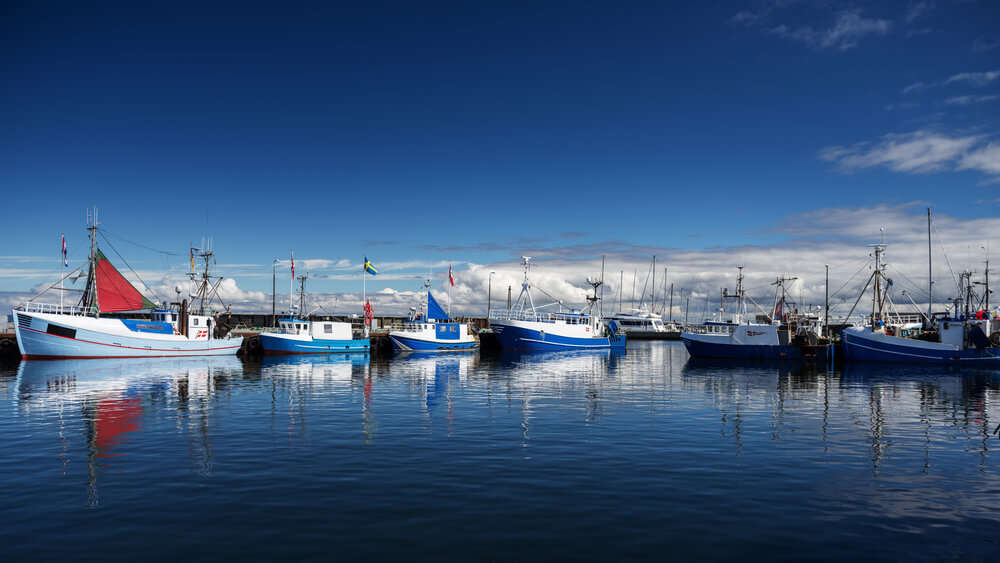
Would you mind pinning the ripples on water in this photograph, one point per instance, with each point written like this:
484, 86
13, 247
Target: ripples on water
645, 454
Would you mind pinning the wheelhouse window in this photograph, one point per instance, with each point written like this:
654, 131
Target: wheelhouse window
328, 328
195, 323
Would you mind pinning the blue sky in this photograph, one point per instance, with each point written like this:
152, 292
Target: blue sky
423, 134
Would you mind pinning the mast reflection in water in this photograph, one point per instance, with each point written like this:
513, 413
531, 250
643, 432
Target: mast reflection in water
541, 455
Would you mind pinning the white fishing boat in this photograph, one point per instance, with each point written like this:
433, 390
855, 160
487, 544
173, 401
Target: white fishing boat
48, 331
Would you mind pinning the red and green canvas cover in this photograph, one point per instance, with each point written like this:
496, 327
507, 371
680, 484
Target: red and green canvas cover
114, 292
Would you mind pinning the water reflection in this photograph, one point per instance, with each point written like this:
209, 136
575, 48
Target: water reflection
112, 398
881, 403
651, 405
297, 379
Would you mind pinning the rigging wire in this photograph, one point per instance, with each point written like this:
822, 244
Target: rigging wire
164, 252
954, 278
850, 279
75, 270
920, 292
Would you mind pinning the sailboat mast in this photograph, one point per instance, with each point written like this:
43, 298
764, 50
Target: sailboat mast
621, 283
652, 287
671, 302
663, 307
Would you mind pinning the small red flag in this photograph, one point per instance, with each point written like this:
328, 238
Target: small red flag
450, 277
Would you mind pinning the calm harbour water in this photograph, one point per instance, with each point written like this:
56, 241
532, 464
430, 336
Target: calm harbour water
644, 455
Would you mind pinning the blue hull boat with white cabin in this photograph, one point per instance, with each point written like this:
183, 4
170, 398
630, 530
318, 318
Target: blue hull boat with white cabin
524, 328
298, 336
302, 336
433, 333
971, 338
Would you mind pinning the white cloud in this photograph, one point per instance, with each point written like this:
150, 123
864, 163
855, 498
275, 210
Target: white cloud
918, 152
835, 236
847, 30
916, 10
985, 159
746, 17
968, 100
974, 78
971, 78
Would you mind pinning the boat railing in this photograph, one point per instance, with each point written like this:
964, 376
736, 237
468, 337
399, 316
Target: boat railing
568, 318
53, 308
710, 329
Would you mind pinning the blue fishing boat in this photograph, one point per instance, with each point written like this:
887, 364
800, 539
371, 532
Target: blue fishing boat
302, 336
434, 332
523, 327
970, 337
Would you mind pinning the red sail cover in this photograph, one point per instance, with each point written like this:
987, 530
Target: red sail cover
114, 292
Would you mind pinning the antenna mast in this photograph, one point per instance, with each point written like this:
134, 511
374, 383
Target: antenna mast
89, 299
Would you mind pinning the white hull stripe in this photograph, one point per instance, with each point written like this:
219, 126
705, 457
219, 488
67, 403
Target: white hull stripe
910, 354
553, 343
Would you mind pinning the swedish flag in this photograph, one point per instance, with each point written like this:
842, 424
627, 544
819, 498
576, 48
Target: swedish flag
369, 268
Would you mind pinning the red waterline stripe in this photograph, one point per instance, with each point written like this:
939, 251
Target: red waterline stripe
38, 357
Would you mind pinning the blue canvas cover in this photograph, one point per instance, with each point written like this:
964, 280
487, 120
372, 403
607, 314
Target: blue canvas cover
434, 311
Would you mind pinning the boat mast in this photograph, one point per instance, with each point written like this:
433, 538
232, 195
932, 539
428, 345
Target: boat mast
525, 297
986, 274
876, 294
621, 283
663, 307
671, 302
652, 288
930, 271
89, 300
302, 292
826, 314
601, 308
739, 294
205, 286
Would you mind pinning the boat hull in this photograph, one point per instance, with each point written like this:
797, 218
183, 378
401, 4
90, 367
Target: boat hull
862, 345
525, 335
35, 340
406, 342
705, 348
276, 344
